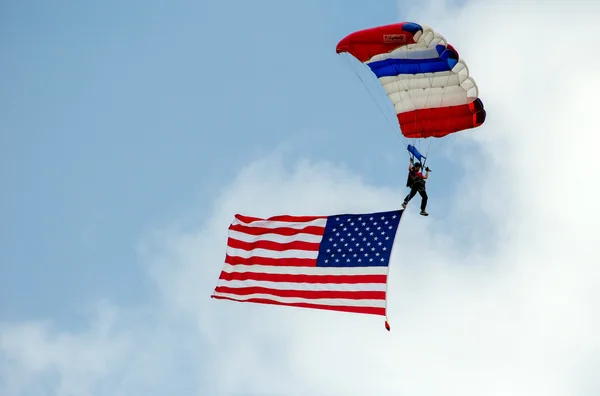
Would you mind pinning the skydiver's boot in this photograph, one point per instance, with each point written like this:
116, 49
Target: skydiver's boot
404, 205
423, 213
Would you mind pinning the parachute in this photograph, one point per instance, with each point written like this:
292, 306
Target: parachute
423, 76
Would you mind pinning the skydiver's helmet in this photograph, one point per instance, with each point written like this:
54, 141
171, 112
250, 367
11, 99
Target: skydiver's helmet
417, 165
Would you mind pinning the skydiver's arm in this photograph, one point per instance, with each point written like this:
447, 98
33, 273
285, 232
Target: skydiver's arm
410, 164
426, 175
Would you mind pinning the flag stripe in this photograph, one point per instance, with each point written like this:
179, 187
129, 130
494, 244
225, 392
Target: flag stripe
327, 279
273, 246
309, 294
286, 218
283, 224
341, 308
296, 253
280, 231
340, 302
271, 262
313, 230
306, 270
278, 285
298, 235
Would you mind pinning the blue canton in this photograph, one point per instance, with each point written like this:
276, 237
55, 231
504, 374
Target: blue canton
358, 240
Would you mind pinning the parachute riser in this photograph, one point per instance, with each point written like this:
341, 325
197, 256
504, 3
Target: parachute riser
414, 153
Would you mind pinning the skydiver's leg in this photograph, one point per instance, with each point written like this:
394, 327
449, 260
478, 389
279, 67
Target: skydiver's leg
423, 201
424, 198
413, 192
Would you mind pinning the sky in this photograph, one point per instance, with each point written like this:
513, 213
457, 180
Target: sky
131, 133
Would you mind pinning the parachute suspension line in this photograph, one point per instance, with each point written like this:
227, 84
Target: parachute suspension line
446, 139
426, 154
444, 88
410, 88
426, 103
407, 86
437, 147
357, 73
395, 129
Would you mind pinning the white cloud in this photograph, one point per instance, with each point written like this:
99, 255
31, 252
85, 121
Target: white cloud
512, 309
32, 352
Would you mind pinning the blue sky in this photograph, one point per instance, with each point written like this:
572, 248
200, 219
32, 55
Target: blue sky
131, 132
119, 117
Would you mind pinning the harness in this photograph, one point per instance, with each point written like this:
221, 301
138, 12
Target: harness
413, 178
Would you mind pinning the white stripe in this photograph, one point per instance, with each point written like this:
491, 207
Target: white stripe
303, 237
403, 82
274, 269
286, 224
430, 98
292, 253
407, 52
320, 301
304, 286
440, 89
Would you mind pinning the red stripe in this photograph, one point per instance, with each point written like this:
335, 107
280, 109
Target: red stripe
258, 276
310, 294
363, 310
364, 44
441, 121
286, 231
270, 245
278, 262
289, 218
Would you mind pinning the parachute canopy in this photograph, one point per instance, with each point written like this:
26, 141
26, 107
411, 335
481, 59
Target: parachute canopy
423, 76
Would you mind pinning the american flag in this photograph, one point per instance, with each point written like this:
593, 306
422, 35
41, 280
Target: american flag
337, 262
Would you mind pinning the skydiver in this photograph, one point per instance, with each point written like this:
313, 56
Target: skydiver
416, 182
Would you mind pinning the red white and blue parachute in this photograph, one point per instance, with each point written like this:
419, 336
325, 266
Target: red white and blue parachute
423, 76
